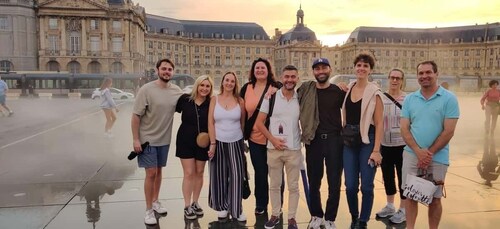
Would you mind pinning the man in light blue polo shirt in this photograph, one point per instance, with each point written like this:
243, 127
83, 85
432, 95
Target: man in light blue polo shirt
428, 120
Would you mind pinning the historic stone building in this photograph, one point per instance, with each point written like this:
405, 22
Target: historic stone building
91, 36
298, 46
18, 49
206, 47
118, 37
463, 51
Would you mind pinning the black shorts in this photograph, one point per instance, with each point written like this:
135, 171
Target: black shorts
188, 151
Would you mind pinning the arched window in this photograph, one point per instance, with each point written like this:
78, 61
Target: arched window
6, 66
117, 68
94, 67
53, 66
74, 67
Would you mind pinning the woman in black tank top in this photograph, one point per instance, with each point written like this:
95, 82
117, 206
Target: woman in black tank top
364, 112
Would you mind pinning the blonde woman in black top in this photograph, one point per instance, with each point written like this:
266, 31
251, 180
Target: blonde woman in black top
194, 109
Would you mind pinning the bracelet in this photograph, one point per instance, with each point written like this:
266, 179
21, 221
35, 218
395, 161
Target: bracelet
213, 143
376, 151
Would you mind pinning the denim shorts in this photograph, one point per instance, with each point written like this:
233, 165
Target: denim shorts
153, 157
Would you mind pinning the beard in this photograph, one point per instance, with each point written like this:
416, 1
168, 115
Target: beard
163, 79
322, 78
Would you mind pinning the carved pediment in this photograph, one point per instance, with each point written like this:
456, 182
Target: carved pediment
74, 4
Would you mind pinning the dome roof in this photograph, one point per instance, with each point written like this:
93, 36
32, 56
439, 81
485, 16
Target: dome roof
300, 13
299, 33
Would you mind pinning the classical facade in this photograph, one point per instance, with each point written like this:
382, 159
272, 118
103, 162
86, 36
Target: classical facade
464, 51
206, 47
18, 49
91, 36
298, 46
118, 37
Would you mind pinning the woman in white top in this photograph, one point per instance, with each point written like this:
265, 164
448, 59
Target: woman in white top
392, 147
225, 126
108, 105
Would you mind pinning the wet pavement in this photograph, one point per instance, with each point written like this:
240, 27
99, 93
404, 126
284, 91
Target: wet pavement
58, 170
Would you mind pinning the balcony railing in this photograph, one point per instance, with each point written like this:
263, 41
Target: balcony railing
73, 53
52, 52
93, 53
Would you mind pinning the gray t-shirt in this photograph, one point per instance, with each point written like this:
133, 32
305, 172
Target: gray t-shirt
156, 108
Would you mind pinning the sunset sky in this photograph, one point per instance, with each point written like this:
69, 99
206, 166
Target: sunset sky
332, 20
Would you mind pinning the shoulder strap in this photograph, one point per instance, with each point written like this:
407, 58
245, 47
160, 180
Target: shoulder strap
252, 118
243, 90
271, 109
393, 100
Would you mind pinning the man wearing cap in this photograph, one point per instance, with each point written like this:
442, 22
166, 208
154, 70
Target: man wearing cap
320, 119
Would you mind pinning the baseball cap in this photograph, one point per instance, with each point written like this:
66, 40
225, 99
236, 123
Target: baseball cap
321, 61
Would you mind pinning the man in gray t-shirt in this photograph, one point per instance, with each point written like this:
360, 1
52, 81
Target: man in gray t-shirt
152, 120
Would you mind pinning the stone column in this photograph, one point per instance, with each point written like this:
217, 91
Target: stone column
84, 37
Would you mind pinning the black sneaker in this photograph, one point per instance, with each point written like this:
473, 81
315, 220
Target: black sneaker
259, 211
354, 224
189, 213
362, 225
197, 209
273, 221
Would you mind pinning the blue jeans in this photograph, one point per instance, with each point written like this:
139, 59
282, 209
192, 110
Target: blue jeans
356, 164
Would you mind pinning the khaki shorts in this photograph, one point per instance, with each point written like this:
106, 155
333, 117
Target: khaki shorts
410, 167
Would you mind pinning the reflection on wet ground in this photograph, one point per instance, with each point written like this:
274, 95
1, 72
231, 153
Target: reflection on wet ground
58, 170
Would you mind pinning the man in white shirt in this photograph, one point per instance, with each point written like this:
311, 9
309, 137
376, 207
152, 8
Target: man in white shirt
283, 135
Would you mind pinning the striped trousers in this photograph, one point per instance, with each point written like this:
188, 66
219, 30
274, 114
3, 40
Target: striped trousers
226, 177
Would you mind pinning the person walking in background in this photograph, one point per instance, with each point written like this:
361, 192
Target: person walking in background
284, 148
320, 120
428, 120
3, 93
226, 117
152, 120
108, 105
363, 111
392, 147
194, 109
260, 80
490, 103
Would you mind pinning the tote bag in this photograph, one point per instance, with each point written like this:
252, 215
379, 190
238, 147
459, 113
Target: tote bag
419, 189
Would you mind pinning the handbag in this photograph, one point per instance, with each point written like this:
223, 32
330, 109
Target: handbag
245, 185
351, 135
420, 188
202, 139
251, 121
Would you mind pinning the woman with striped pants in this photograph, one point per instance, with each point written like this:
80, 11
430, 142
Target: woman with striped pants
225, 127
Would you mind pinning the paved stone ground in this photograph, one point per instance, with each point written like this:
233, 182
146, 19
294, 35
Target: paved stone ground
58, 170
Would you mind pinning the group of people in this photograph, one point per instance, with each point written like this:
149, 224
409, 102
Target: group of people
399, 132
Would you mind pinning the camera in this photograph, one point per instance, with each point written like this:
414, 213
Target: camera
133, 154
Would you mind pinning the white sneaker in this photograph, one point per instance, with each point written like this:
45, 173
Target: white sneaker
399, 217
315, 223
330, 225
158, 208
150, 218
386, 211
242, 218
222, 214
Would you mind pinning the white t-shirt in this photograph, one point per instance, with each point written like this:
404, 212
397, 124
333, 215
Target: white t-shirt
392, 130
284, 122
